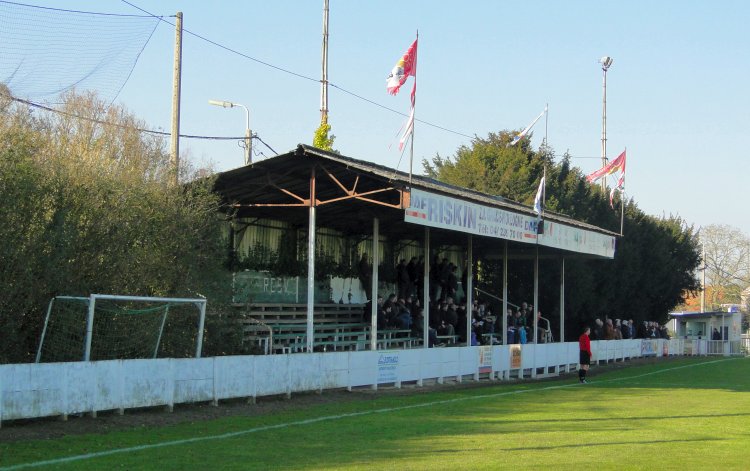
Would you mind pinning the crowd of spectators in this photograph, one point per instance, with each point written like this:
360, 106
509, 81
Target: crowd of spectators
447, 314
616, 329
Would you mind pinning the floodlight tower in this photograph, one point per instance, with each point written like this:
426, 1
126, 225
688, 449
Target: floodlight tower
606, 62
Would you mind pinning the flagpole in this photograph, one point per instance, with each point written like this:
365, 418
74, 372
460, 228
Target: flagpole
622, 202
414, 110
546, 146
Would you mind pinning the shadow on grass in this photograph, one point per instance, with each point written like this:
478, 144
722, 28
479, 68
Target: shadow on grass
606, 444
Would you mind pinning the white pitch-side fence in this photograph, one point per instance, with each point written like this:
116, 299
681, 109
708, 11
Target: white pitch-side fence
59, 389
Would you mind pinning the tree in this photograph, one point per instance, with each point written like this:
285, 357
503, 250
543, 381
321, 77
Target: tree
655, 261
321, 139
88, 208
727, 262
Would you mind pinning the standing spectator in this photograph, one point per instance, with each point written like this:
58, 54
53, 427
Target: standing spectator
625, 329
465, 280
411, 269
609, 330
452, 282
434, 278
618, 330
365, 276
402, 279
584, 345
445, 269
419, 282
598, 329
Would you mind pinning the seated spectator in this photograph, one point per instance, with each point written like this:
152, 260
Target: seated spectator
403, 318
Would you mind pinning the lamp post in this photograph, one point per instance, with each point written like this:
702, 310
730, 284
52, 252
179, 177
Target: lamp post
248, 142
606, 62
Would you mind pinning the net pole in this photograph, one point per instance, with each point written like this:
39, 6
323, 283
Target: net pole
89, 328
44, 330
161, 329
199, 346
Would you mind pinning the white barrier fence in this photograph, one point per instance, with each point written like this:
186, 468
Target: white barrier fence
59, 389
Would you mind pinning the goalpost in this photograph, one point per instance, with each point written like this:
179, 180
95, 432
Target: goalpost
105, 327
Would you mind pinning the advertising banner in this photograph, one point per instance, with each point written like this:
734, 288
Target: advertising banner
433, 210
485, 359
388, 367
515, 357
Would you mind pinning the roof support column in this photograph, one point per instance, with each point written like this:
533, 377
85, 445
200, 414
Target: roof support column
536, 309
426, 290
311, 265
505, 292
375, 294
468, 289
562, 300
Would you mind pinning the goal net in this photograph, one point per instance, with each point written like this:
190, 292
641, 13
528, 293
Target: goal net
110, 327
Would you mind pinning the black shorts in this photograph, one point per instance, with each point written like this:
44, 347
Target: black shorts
585, 358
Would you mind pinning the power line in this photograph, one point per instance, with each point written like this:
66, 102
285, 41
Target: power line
74, 11
281, 69
124, 126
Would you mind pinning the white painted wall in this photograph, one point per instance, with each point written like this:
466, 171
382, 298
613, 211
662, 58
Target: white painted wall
49, 389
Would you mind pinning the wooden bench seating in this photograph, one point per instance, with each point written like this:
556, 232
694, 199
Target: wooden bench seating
283, 328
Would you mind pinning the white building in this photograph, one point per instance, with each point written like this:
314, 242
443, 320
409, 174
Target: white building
705, 325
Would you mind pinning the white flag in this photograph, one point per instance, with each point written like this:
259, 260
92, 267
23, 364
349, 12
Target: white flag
523, 133
539, 200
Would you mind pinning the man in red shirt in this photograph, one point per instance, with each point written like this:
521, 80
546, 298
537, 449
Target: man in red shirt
584, 344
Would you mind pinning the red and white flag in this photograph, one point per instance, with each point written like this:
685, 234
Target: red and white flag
609, 169
406, 66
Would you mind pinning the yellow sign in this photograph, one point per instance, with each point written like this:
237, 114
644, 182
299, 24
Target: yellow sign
515, 357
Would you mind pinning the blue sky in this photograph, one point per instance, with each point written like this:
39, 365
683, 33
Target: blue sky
677, 93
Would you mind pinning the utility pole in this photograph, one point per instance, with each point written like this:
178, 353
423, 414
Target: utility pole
324, 79
177, 79
703, 281
606, 62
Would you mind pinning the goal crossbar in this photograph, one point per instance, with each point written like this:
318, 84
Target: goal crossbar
199, 303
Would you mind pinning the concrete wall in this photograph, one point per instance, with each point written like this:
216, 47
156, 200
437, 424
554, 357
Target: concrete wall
51, 389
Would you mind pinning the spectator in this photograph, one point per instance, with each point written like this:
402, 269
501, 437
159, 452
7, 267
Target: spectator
411, 270
609, 330
365, 276
402, 279
419, 281
403, 318
625, 330
452, 282
435, 278
617, 330
716, 335
445, 269
598, 333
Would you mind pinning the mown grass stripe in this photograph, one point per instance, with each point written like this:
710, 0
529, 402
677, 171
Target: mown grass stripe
99, 454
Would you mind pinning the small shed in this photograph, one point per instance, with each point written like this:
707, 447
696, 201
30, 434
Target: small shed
711, 325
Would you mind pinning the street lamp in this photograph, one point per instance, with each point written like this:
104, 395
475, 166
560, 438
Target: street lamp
248, 142
606, 62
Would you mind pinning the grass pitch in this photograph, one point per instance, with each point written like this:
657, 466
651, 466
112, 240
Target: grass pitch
683, 414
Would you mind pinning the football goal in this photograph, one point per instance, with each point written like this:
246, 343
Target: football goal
111, 327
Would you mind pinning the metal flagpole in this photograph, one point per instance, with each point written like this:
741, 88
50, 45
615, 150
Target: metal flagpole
414, 110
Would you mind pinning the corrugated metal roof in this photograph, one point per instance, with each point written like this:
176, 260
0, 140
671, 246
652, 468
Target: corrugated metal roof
260, 182
427, 183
